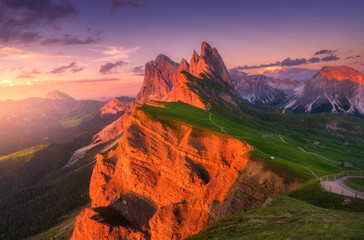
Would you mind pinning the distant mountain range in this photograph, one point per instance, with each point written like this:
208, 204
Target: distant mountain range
337, 89
55, 114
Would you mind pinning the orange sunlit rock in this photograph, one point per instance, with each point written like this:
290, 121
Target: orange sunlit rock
341, 73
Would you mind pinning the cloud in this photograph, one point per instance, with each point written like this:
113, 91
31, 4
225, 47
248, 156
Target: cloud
294, 62
68, 39
113, 53
139, 70
116, 4
290, 73
290, 62
330, 58
21, 20
7, 83
246, 67
72, 67
94, 80
108, 68
351, 57
314, 60
26, 74
325, 51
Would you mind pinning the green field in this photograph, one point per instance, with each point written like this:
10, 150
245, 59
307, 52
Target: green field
288, 218
308, 212
22, 155
356, 184
285, 138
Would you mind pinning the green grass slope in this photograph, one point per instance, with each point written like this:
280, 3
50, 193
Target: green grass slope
288, 218
288, 138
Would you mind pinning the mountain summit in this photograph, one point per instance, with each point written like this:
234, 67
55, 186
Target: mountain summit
340, 73
210, 63
337, 89
58, 95
166, 80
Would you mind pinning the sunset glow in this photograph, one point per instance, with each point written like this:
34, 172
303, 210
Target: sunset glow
73, 47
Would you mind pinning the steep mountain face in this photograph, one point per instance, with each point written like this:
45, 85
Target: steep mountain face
170, 181
166, 80
159, 79
332, 89
256, 89
209, 63
114, 129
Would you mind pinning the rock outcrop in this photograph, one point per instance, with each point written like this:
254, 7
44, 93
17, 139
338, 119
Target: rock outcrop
114, 107
170, 181
166, 80
209, 63
114, 129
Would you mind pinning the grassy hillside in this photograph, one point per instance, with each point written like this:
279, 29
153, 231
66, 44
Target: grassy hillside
288, 218
287, 138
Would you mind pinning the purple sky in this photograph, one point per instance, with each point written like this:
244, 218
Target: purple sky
97, 48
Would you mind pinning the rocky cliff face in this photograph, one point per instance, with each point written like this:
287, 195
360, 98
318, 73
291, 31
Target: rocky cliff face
166, 80
113, 107
167, 180
159, 79
333, 89
209, 63
114, 129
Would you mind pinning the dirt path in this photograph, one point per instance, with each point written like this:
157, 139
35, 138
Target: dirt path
222, 129
340, 188
318, 156
282, 139
312, 172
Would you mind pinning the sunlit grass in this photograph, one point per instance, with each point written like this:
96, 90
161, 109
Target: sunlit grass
286, 151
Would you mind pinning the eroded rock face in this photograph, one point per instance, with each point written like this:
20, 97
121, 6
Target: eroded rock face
114, 107
115, 128
164, 80
159, 79
169, 181
209, 62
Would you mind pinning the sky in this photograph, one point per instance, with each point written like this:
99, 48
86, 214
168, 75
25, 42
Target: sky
98, 48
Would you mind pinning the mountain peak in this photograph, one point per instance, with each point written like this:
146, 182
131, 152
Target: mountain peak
340, 73
183, 65
210, 63
58, 95
205, 48
162, 58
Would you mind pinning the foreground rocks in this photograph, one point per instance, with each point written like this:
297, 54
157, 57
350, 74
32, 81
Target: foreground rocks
170, 181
